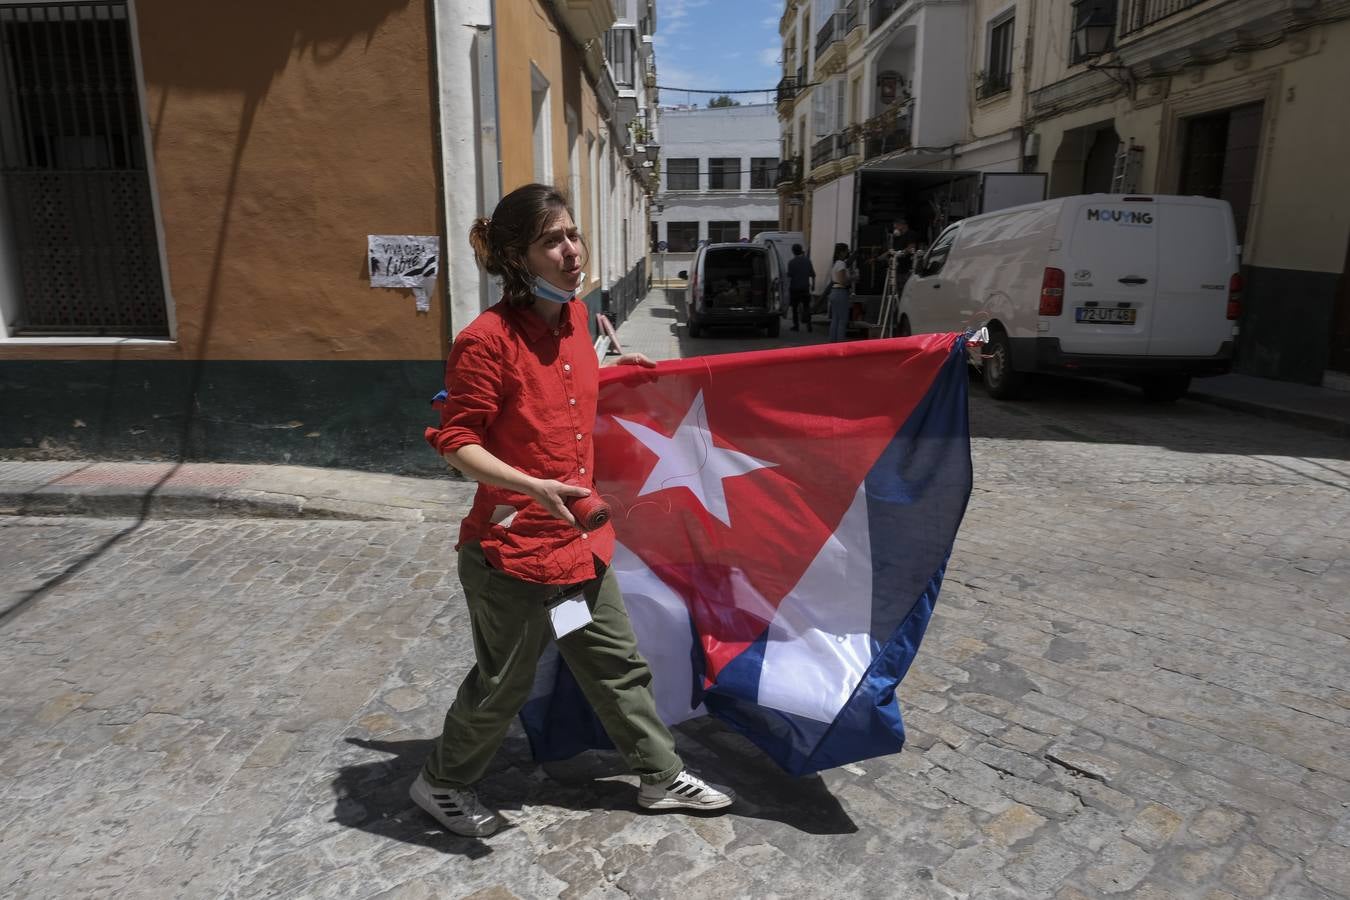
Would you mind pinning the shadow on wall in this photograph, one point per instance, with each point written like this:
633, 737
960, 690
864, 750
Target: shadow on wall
242, 46
238, 48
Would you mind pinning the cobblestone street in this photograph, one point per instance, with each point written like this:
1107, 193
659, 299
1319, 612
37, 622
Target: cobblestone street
1136, 683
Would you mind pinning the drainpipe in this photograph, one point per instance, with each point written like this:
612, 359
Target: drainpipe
1028, 45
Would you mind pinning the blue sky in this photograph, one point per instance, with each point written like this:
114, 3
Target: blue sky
717, 44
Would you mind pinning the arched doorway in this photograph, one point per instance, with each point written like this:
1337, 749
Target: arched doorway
1085, 160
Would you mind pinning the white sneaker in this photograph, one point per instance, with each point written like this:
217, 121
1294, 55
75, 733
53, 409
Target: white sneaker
685, 791
459, 810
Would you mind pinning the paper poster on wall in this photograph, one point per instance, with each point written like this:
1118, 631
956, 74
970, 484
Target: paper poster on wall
405, 261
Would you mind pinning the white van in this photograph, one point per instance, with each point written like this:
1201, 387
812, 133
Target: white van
1144, 288
781, 242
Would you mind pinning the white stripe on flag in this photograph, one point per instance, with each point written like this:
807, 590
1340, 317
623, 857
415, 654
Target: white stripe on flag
665, 636
819, 642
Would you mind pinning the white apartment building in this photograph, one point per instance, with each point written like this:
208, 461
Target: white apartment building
927, 109
719, 167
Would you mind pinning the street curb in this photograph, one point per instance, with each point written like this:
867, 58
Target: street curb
188, 503
1324, 424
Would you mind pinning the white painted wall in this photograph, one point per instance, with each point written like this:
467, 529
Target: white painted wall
743, 132
461, 156
941, 79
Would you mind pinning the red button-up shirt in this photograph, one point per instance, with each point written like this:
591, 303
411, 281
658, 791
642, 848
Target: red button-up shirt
526, 392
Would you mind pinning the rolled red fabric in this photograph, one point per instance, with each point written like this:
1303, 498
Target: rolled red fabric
591, 512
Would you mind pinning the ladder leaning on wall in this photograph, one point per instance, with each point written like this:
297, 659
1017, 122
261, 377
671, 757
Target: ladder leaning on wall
1128, 164
890, 299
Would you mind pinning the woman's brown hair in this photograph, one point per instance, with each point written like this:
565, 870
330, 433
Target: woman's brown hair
501, 243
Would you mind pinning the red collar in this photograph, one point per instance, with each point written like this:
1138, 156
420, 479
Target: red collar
533, 327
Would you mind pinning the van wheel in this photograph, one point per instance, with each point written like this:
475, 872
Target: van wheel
1000, 380
695, 329
904, 330
1168, 388
773, 327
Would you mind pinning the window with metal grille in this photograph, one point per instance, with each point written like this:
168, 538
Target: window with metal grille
763, 172
999, 63
682, 237
79, 253
724, 232
724, 173
682, 174
762, 225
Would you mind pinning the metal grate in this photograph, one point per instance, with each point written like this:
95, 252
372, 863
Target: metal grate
1140, 14
74, 175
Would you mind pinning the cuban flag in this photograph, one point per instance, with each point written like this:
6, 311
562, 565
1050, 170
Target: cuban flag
784, 520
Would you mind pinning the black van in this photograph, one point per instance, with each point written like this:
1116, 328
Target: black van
734, 284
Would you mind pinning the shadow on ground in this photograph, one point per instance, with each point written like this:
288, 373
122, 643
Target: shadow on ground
373, 796
1094, 410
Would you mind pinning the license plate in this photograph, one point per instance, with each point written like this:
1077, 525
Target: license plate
1104, 315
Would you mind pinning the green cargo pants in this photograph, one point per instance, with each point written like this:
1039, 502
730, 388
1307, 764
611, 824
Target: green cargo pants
510, 631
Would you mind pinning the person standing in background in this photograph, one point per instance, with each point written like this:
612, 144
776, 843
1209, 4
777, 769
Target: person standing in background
840, 305
801, 282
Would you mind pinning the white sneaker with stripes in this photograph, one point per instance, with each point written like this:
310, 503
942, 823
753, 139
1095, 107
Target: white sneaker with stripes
460, 811
685, 791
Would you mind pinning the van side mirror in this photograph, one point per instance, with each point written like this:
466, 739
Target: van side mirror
683, 274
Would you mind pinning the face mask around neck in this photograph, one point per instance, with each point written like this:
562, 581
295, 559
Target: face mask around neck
546, 291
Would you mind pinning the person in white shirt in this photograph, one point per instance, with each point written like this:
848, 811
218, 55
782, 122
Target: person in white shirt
840, 304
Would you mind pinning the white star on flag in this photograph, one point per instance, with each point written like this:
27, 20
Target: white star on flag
690, 459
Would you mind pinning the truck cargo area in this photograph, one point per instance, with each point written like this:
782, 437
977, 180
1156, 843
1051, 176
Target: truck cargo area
858, 209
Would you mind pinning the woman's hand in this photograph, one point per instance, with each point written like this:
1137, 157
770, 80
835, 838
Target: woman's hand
635, 359
553, 496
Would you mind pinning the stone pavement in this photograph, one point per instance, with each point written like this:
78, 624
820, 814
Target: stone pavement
1136, 684
1313, 407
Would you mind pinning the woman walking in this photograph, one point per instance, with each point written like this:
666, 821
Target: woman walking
522, 383
840, 304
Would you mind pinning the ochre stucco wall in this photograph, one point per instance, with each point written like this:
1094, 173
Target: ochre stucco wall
283, 134
528, 35
1291, 224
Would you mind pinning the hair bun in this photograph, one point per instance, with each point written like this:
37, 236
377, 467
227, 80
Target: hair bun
480, 238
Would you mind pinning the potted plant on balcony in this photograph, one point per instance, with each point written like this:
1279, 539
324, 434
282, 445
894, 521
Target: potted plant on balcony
640, 135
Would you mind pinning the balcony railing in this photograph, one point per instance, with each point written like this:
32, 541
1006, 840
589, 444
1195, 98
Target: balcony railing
787, 89
1139, 14
835, 146
837, 25
822, 151
993, 85
887, 132
880, 11
789, 171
